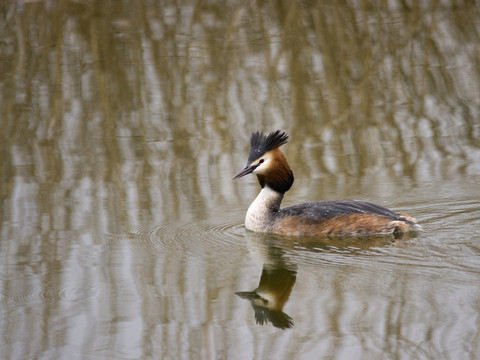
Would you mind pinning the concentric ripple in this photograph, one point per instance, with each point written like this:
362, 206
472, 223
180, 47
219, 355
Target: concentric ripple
199, 238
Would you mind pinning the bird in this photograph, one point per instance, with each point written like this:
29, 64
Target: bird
338, 218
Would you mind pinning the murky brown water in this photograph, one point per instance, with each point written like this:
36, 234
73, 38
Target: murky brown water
121, 232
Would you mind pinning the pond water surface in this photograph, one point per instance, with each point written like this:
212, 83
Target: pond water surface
121, 233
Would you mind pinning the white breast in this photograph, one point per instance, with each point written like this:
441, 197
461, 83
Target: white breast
263, 209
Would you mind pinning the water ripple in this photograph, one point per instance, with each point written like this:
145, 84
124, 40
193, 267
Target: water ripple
199, 238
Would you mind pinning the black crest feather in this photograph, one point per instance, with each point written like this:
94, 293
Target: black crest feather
260, 143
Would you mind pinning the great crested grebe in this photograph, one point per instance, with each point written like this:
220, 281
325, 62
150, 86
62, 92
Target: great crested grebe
322, 218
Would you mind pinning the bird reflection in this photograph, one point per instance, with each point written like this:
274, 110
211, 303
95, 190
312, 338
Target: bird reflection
271, 295
273, 291
280, 267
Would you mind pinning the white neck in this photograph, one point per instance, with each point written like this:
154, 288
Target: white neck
262, 210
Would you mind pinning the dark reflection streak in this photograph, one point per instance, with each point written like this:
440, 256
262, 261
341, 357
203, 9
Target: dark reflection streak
396, 316
101, 45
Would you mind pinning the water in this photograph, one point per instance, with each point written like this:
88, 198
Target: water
121, 232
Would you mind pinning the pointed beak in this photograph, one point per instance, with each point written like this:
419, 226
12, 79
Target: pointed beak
249, 295
248, 170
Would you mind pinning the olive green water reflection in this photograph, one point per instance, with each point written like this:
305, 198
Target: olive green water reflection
122, 125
